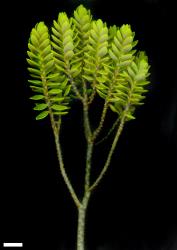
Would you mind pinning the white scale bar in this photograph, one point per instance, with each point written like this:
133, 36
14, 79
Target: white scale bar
12, 244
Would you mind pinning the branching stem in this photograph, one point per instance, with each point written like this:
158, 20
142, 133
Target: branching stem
61, 164
109, 132
107, 163
73, 84
56, 131
64, 174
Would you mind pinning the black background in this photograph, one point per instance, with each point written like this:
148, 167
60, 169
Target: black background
135, 205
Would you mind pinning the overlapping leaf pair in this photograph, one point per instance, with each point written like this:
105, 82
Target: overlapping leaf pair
85, 52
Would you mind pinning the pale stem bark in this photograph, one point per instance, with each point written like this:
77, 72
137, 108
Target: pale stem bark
81, 222
88, 165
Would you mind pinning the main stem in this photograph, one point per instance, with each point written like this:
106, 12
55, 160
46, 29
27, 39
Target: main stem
81, 222
90, 138
84, 204
83, 208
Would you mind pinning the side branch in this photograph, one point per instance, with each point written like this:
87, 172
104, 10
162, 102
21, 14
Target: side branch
88, 165
88, 132
65, 177
92, 96
107, 163
79, 96
109, 132
103, 115
89, 139
104, 112
61, 164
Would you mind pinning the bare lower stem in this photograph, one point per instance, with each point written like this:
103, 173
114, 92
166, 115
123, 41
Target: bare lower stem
81, 222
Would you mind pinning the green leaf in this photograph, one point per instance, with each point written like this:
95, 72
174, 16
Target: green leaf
63, 83
130, 117
41, 106
68, 88
33, 63
49, 65
101, 79
127, 48
57, 99
113, 108
35, 82
55, 91
75, 68
44, 44
102, 52
60, 69
46, 51
88, 78
37, 89
59, 107
34, 39
60, 113
68, 47
69, 54
112, 55
124, 63
53, 76
42, 115
53, 84
101, 94
34, 71
37, 97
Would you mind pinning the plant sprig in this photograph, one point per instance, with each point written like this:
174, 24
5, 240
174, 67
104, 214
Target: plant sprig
82, 58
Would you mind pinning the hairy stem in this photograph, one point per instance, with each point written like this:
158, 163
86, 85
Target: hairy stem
107, 163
